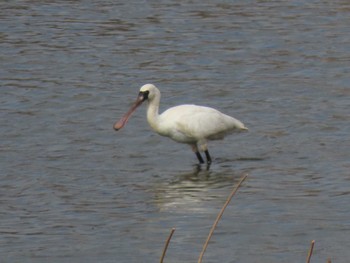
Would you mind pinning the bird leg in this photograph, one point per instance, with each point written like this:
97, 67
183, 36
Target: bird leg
204, 148
195, 150
208, 156
199, 156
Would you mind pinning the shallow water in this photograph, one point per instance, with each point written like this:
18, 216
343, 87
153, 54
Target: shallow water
74, 190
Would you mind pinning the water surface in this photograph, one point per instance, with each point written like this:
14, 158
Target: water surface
74, 190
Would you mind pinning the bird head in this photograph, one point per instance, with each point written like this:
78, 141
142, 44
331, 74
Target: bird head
147, 92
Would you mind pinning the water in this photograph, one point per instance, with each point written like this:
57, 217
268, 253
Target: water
74, 190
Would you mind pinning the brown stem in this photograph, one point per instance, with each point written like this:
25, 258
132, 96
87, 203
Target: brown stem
310, 251
219, 216
167, 244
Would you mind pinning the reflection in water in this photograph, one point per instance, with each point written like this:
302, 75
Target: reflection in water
189, 191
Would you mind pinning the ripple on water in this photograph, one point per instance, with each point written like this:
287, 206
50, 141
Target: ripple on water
72, 188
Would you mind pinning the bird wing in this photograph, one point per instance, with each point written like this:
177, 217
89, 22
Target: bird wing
197, 122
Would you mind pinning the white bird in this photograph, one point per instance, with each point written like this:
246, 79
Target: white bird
190, 124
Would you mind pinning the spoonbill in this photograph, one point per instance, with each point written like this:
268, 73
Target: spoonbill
190, 124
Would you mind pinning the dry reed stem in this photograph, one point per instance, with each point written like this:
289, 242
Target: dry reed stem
219, 216
310, 251
167, 244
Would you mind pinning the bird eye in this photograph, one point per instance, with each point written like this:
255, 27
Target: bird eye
144, 94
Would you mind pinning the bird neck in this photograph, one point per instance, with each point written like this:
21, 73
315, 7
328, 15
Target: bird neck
153, 113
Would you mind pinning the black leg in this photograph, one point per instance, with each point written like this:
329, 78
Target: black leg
199, 156
208, 156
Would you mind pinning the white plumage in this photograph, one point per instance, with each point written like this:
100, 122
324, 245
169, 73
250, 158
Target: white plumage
190, 124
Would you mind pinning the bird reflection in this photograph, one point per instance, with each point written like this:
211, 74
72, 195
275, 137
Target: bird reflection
190, 191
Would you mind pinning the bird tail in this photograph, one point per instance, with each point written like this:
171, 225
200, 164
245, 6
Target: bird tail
244, 128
